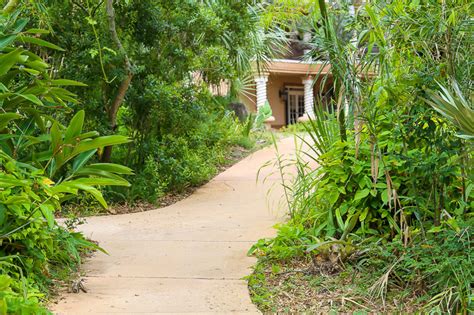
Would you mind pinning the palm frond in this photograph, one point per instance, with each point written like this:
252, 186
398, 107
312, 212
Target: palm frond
454, 106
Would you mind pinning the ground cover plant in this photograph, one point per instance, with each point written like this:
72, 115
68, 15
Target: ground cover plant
385, 222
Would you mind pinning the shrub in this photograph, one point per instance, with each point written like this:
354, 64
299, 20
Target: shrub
391, 173
189, 140
436, 266
43, 163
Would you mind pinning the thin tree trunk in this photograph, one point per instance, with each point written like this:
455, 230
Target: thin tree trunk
113, 108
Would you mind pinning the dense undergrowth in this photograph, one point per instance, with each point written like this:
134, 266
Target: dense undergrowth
154, 115
43, 164
385, 222
189, 149
180, 132
143, 73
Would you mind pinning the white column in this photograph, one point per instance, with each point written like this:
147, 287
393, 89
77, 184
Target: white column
308, 97
261, 82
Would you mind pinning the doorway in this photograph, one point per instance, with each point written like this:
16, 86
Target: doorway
294, 104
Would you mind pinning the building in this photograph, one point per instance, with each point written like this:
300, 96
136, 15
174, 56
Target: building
291, 85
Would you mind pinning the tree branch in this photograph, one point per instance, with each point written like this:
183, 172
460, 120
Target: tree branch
125, 84
79, 6
113, 33
97, 7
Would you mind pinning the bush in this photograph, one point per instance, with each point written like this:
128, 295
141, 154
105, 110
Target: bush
390, 170
190, 138
43, 163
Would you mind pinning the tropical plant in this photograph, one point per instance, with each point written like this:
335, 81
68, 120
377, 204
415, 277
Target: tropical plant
43, 163
264, 112
454, 106
395, 172
168, 102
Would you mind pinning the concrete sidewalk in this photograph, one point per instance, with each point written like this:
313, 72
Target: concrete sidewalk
186, 258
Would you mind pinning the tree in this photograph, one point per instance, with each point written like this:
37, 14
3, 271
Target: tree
124, 85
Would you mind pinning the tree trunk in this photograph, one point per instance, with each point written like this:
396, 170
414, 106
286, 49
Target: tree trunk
112, 110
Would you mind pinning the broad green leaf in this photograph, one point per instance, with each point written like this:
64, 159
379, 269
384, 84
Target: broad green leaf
6, 118
64, 82
38, 65
100, 142
333, 197
340, 222
36, 31
74, 186
113, 168
363, 215
6, 40
361, 194
7, 61
88, 145
86, 171
31, 71
95, 181
17, 200
39, 42
82, 159
384, 196
20, 25
56, 138
48, 213
350, 224
90, 134
75, 127
32, 98
12, 182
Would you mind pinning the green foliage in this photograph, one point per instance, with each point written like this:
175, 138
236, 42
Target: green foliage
248, 125
438, 266
433, 275
43, 163
180, 138
13, 303
264, 112
456, 108
294, 128
180, 133
390, 170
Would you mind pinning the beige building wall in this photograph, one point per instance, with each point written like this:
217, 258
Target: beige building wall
276, 82
249, 99
283, 73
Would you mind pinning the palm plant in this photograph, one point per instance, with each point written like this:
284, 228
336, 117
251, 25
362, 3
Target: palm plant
265, 42
454, 106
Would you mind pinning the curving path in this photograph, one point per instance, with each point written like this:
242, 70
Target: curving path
186, 258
